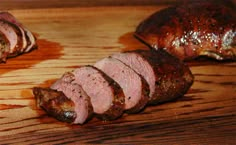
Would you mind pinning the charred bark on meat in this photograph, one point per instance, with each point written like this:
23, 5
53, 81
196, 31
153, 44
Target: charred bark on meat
55, 103
191, 30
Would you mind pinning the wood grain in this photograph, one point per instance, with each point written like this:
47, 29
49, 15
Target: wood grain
35, 4
39, 4
69, 37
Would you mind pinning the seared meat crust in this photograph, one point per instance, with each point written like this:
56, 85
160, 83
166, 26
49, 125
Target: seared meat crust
55, 103
191, 30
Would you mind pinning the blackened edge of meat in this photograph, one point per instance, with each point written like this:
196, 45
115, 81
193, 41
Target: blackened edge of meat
55, 103
18, 49
144, 98
4, 47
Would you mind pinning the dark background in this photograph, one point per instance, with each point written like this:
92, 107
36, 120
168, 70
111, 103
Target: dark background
32, 4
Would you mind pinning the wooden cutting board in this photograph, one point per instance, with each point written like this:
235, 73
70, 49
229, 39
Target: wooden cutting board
70, 37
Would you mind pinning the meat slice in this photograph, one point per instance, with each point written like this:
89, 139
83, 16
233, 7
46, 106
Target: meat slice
20, 38
135, 88
73, 91
29, 41
13, 35
107, 97
66, 100
10, 18
166, 75
4, 47
192, 30
5, 16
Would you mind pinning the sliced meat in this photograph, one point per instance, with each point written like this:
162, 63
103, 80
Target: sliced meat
14, 36
24, 40
65, 101
4, 47
10, 18
29, 40
56, 104
115, 84
107, 97
166, 75
5, 16
20, 38
73, 91
135, 88
192, 30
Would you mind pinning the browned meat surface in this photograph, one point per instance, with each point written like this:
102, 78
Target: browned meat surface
65, 100
20, 39
107, 97
4, 47
13, 35
56, 104
73, 91
191, 30
167, 76
122, 82
135, 88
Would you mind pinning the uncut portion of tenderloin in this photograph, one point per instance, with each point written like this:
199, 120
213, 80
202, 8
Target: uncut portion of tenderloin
106, 95
65, 100
15, 39
135, 88
192, 30
167, 76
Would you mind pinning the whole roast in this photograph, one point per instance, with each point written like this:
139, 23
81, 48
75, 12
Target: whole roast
192, 29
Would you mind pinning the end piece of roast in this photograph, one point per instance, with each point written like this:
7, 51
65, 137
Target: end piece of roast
167, 76
55, 104
135, 88
20, 39
65, 101
191, 30
107, 97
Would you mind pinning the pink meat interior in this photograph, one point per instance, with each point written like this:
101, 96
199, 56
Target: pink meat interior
10, 34
129, 81
96, 86
31, 40
141, 66
77, 95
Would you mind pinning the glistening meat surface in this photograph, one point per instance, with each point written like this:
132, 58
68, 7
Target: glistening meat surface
192, 30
